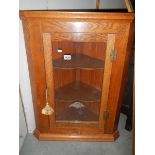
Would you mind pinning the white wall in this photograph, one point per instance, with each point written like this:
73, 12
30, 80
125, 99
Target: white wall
56, 4
68, 4
40, 5
22, 124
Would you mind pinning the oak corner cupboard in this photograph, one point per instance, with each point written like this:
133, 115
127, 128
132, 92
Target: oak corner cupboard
77, 64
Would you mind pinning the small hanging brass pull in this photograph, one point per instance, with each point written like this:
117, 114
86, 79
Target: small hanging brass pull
47, 110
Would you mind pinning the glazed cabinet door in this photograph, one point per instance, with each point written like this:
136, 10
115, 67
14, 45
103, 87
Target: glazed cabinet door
78, 72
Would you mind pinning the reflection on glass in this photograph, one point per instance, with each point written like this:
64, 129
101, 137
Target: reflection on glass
78, 76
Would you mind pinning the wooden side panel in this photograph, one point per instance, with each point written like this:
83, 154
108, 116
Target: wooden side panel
117, 80
128, 47
35, 59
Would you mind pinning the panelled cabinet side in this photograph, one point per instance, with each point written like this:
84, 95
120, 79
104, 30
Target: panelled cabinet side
36, 67
123, 45
128, 48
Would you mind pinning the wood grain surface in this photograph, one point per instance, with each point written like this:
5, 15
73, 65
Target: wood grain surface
93, 34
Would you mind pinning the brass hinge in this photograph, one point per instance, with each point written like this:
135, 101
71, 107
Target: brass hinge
105, 115
113, 55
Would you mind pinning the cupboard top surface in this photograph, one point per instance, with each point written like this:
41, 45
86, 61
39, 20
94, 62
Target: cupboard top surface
66, 14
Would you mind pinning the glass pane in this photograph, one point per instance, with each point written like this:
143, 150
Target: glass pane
78, 69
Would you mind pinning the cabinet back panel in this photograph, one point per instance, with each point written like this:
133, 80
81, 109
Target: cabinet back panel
90, 77
63, 77
93, 78
92, 49
67, 47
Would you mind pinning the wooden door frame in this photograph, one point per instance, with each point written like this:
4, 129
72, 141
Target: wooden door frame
106, 79
47, 45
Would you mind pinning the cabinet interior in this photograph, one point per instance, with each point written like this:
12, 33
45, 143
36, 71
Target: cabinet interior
78, 82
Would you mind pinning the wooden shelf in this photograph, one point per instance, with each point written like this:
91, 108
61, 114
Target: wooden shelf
74, 114
79, 61
77, 91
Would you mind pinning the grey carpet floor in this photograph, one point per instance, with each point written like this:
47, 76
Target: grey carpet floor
122, 146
